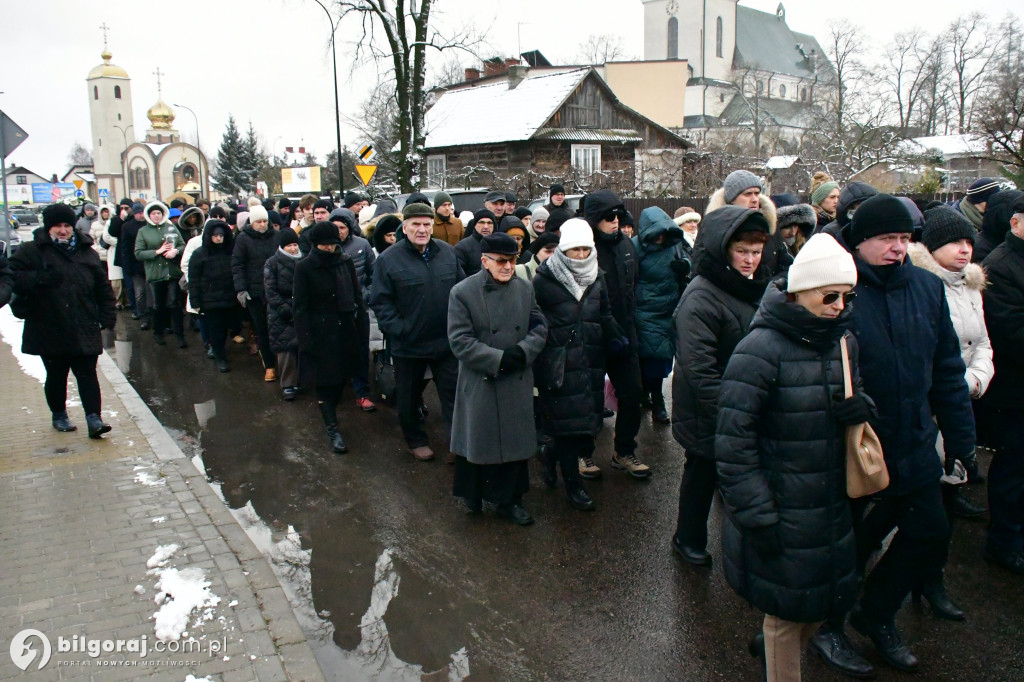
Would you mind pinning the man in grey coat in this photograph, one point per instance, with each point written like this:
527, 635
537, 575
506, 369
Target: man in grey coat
496, 331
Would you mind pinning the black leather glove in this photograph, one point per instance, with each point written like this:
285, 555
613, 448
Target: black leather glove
765, 540
513, 360
854, 410
618, 347
48, 277
970, 463
680, 267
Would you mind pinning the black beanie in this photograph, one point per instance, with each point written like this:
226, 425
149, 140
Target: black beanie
351, 199
943, 225
55, 214
556, 189
543, 240
324, 233
284, 203
880, 214
324, 203
286, 236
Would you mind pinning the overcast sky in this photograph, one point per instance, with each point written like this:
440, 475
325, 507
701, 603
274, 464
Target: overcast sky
268, 61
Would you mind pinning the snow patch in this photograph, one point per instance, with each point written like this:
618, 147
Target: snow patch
11, 329
163, 553
159, 519
146, 479
181, 592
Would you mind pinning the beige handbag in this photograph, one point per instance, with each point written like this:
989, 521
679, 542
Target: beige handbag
866, 473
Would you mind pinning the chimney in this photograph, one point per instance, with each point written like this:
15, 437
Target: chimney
516, 75
511, 61
472, 74
492, 67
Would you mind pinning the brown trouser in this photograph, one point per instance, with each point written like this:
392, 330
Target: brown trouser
783, 643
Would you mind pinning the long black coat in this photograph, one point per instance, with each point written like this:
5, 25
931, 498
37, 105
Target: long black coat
210, 282
66, 317
6, 281
995, 224
617, 259
252, 249
328, 308
279, 282
582, 327
1004, 317
124, 255
468, 252
712, 317
912, 368
781, 462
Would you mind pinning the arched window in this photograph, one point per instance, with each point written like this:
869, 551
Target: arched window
760, 87
673, 38
803, 94
95, 92
718, 37
782, 91
117, 92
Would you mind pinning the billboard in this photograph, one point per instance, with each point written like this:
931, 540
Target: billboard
298, 180
43, 192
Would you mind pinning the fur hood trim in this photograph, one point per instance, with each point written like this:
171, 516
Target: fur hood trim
973, 276
767, 207
163, 207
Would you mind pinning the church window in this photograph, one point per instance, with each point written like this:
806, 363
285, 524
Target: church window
673, 38
718, 37
721, 97
117, 92
95, 92
119, 117
782, 91
760, 87
803, 94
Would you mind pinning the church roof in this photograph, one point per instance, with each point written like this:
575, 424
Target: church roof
106, 69
772, 112
764, 41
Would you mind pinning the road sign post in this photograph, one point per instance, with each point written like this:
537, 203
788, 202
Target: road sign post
11, 135
365, 173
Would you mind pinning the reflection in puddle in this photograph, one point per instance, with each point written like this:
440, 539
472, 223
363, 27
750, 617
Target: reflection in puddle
123, 355
205, 412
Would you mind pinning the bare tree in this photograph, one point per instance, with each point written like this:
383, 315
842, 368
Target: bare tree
601, 49
1000, 106
79, 155
451, 73
970, 51
908, 61
395, 36
933, 105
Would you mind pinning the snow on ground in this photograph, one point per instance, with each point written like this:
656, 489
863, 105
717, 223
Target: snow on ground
145, 478
11, 329
162, 554
179, 593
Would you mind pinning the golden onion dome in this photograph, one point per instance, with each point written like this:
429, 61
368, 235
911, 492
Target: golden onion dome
106, 69
160, 115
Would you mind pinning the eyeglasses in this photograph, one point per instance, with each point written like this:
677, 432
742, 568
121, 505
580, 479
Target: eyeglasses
833, 296
500, 261
612, 215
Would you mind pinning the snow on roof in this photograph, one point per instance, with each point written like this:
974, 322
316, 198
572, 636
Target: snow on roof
777, 162
952, 145
494, 113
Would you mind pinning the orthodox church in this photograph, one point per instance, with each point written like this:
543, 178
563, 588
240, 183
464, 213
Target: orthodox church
160, 165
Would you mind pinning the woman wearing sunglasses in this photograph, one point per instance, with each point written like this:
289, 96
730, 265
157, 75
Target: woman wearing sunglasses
787, 537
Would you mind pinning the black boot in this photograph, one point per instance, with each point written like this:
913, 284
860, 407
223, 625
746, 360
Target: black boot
886, 639
96, 426
62, 423
966, 509
942, 605
832, 644
329, 414
549, 473
659, 415
756, 649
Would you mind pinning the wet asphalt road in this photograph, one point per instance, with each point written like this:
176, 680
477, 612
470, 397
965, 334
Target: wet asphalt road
576, 596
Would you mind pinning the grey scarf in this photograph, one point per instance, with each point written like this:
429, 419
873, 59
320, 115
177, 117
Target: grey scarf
574, 275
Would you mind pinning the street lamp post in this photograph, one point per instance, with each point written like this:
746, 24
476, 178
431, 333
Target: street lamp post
124, 162
199, 148
337, 106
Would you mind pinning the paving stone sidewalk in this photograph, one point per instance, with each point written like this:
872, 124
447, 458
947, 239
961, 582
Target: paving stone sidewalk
80, 519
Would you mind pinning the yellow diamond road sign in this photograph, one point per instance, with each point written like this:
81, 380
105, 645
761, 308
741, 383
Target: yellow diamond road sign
365, 173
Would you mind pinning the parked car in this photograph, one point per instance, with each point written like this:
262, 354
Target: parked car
572, 202
471, 200
26, 218
11, 239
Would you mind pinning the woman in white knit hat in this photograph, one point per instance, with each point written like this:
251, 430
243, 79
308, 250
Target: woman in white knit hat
787, 537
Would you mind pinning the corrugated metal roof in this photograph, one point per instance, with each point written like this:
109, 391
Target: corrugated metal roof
782, 112
766, 42
588, 135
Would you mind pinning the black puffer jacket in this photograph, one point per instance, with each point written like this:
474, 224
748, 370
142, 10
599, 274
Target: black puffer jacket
252, 249
6, 281
72, 303
1004, 316
210, 282
995, 223
279, 283
124, 255
618, 262
781, 463
712, 316
574, 408
468, 248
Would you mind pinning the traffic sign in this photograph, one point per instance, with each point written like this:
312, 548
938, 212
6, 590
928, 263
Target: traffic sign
365, 173
104, 193
78, 184
79, 193
11, 134
366, 153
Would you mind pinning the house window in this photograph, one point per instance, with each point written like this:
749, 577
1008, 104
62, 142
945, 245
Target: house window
586, 158
673, 38
117, 92
435, 170
782, 91
718, 37
22, 180
803, 94
95, 92
139, 178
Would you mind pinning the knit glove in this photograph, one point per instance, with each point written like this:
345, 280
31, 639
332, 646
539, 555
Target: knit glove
680, 267
617, 347
243, 298
48, 277
765, 540
853, 410
512, 360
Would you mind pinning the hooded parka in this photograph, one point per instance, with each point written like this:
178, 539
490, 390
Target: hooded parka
658, 289
210, 281
781, 461
279, 280
493, 421
995, 223
252, 249
150, 238
712, 317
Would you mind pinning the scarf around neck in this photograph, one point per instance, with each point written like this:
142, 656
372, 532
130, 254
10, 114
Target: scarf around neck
574, 275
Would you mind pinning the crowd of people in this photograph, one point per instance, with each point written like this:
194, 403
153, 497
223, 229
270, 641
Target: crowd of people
527, 322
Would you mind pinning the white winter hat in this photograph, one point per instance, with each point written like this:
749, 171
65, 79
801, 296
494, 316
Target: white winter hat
821, 262
575, 232
366, 214
257, 212
691, 217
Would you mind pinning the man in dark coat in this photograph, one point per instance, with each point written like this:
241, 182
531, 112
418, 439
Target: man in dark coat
133, 271
363, 258
852, 195
974, 205
911, 367
6, 281
1004, 401
996, 223
67, 300
279, 283
712, 317
412, 281
211, 288
496, 331
617, 259
484, 222
254, 245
